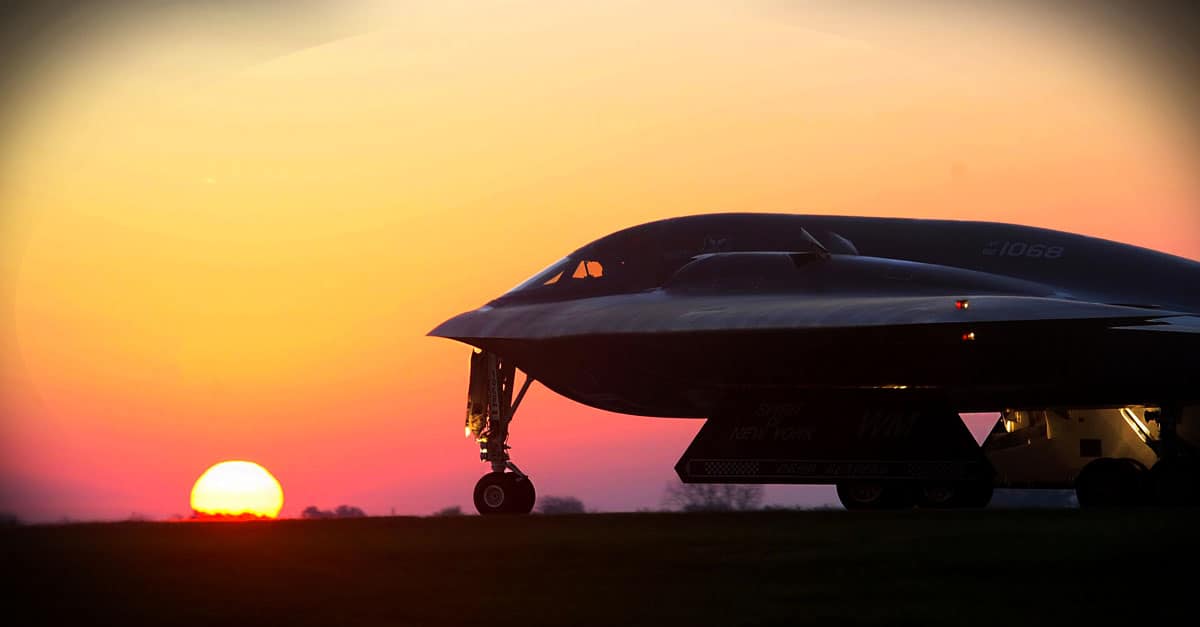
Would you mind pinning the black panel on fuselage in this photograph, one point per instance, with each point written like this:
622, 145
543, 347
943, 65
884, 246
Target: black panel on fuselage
790, 442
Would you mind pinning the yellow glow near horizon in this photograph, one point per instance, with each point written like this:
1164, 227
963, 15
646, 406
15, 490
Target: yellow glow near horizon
234, 488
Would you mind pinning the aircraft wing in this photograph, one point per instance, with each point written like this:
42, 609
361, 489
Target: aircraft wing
1169, 324
660, 312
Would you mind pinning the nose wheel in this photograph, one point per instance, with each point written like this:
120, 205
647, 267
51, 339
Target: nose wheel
490, 409
504, 493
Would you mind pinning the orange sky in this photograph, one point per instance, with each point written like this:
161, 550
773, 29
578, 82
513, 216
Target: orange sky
210, 250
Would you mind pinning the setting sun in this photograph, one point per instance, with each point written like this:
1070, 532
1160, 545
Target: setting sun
237, 488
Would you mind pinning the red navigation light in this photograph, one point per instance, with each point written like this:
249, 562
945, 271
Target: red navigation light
962, 304
969, 336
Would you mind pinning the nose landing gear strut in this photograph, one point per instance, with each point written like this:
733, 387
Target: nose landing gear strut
490, 409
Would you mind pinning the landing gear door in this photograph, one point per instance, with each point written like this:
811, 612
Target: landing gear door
813, 444
477, 394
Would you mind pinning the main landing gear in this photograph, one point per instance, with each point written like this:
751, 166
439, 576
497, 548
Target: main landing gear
490, 408
1173, 481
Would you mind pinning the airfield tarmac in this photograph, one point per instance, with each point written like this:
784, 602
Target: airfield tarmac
990, 567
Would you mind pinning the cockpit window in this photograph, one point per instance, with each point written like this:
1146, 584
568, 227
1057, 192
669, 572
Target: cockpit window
577, 277
617, 264
547, 276
588, 270
563, 275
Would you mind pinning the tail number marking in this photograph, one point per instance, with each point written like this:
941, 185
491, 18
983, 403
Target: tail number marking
1023, 249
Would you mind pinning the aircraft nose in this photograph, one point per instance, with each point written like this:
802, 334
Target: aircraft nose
448, 328
461, 326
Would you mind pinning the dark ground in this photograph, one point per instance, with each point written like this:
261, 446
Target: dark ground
764, 568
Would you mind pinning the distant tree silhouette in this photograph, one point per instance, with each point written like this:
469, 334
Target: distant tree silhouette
453, 510
711, 497
560, 505
312, 512
204, 516
348, 511
9, 519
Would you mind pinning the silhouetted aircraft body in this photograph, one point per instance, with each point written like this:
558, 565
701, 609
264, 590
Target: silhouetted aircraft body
828, 349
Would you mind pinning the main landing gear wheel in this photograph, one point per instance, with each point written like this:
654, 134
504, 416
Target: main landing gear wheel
504, 493
1175, 482
937, 496
1111, 482
975, 494
875, 495
954, 495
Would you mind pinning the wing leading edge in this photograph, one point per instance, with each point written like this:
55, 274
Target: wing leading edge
658, 312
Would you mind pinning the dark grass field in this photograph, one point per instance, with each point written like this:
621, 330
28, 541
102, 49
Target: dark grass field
1012, 568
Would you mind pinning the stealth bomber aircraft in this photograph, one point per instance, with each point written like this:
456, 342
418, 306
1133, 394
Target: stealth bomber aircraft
842, 350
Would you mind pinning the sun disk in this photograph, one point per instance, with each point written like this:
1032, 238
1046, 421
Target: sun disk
235, 489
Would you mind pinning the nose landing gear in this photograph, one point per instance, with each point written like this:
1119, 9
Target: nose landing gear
490, 408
